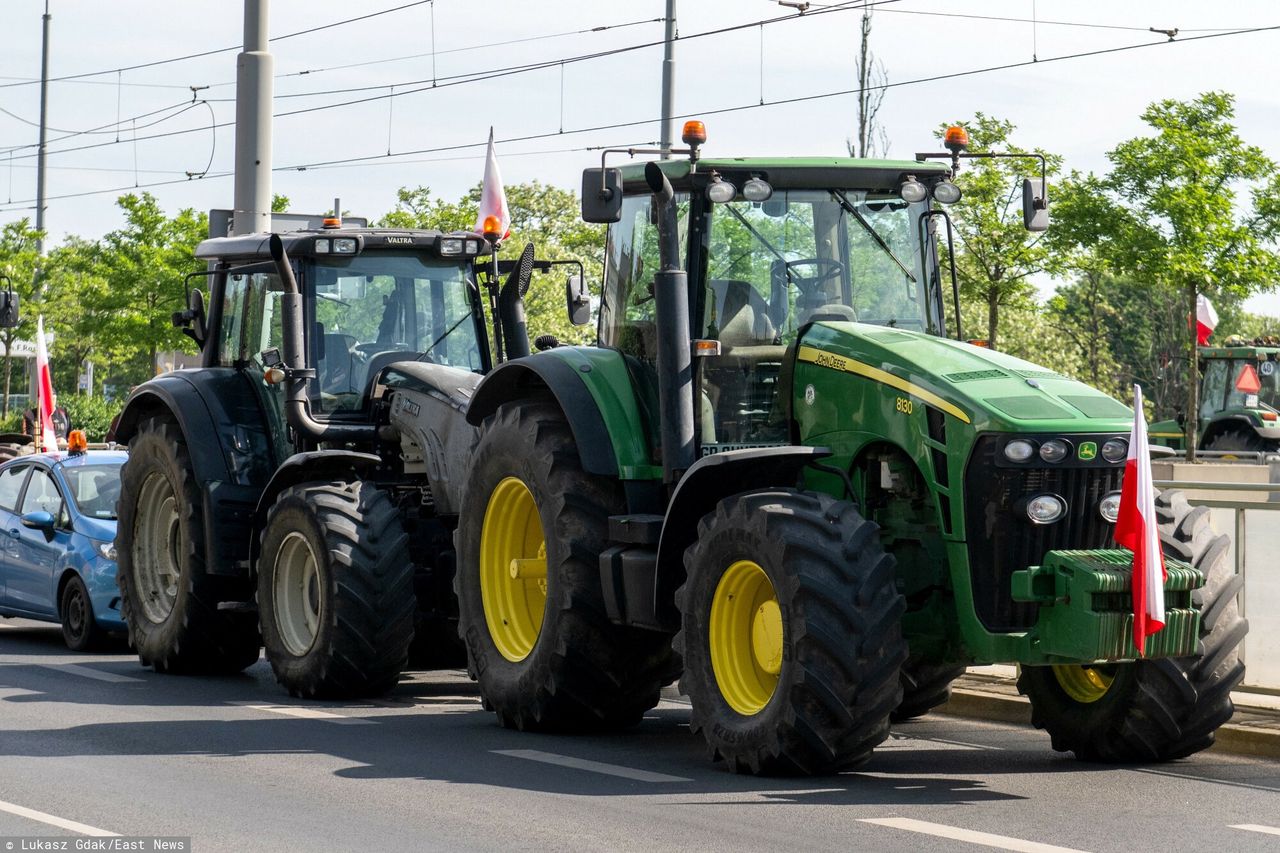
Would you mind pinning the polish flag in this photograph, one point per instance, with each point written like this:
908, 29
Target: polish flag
493, 198
1136, 530
1206, 319
44, 393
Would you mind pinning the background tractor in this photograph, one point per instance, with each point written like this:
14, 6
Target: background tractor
784, 475
1239, 399
299, 489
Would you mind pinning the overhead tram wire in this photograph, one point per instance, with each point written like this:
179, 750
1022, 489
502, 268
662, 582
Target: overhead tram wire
1080, 24
473, 77
216, 51
698, 114
181, 107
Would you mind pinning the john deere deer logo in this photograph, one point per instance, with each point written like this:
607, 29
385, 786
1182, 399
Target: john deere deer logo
1088, 451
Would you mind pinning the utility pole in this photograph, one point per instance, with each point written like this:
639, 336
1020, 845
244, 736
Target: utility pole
668, 78
44, 108
254, 72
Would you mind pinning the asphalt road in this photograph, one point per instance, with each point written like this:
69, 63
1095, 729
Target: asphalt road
97, 744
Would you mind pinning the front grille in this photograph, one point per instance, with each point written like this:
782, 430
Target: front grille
1002, 540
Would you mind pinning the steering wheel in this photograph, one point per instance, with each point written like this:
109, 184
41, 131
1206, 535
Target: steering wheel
825, 270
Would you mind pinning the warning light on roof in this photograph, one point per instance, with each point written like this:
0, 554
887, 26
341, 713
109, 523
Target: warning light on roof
492, 227
1247, 382
956, 138
76, 442
694, 133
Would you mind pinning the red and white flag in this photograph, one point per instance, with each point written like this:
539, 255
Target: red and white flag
48, 439
1206, 319
493, 198
1136, 530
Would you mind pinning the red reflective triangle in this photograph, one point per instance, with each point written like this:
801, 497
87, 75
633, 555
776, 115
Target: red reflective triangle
1248, 382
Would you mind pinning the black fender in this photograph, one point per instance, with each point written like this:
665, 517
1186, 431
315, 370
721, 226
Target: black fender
311, 466
230, 447
1231, 423
525, 377
710, 480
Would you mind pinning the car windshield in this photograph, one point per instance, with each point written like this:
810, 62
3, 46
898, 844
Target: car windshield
379, 307
804, 255
94, 489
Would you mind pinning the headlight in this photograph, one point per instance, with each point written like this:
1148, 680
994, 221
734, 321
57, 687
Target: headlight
344, 245
721, 191
451, 246
1019, 450
1054, 450
1046, 509
1115, 450
107, 550
912, 191
322, 246
756, 190
1109, 507
945, 192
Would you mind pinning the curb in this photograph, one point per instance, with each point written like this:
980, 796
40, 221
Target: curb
1258, 739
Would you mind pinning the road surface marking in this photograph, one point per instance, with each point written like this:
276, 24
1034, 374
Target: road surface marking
904, 743
89, 672
590, 766
1256, 827
941, 830
54, 820
310, 714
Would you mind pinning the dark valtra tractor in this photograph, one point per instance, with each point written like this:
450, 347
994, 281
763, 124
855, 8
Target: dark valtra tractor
300, 488
784, 474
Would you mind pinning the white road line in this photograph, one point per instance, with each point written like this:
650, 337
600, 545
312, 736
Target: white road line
310, 714
89, 672
1256, 827
54, 820
955, 833
590, 766
902, 743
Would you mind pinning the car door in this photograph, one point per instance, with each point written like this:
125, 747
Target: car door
32, 583
11, 480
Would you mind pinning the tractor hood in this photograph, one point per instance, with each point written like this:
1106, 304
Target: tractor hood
992, 391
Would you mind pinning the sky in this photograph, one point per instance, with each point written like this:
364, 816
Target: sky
1077, 107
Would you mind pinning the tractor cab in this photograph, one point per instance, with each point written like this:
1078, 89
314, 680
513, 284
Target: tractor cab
1239, 399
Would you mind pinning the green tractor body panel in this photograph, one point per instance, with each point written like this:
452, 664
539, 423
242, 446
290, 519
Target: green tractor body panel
605, 374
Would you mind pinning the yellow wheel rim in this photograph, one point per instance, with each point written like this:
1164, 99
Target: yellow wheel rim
1084, 684
513, 570
746, 637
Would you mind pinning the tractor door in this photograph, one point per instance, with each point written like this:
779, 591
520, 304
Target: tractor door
250, 325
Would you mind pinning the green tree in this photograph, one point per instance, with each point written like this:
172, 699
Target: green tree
544, 215
996, 256
18, 260
1171, 213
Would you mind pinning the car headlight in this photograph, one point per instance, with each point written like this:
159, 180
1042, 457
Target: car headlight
1019, 450
1046, 509
107, 550
1054, 450
1109, 507
1115, 450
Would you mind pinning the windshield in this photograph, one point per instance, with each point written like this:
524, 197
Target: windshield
1245, 376
805, 255
94, 489
373, 309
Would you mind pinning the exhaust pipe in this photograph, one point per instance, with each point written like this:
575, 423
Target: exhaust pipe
297, 408
675, 347
511, 305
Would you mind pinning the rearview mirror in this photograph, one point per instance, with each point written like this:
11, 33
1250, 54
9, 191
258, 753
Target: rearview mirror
1035, 205
601, 195
8, 309
578, 299
192, 320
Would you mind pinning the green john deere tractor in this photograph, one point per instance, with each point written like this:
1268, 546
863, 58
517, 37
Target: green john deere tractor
1239, 400
299, 489
783, 475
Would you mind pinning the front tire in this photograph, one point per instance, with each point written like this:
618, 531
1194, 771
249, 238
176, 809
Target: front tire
790, 636
79, 628
335, 590
168, 599
531, 611
1153, 710
925, 686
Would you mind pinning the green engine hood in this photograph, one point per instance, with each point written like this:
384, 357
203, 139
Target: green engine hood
990, 390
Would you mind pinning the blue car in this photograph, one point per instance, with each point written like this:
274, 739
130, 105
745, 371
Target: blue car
57, 526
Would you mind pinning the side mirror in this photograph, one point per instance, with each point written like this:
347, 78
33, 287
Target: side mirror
578, 300
601, 195
39, 520
1035, 205
8, 309
192, 321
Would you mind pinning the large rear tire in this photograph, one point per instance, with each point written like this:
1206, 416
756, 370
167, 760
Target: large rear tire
791, 637
335, 590
168, 599
531, 610
1153, 710
1241, 440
